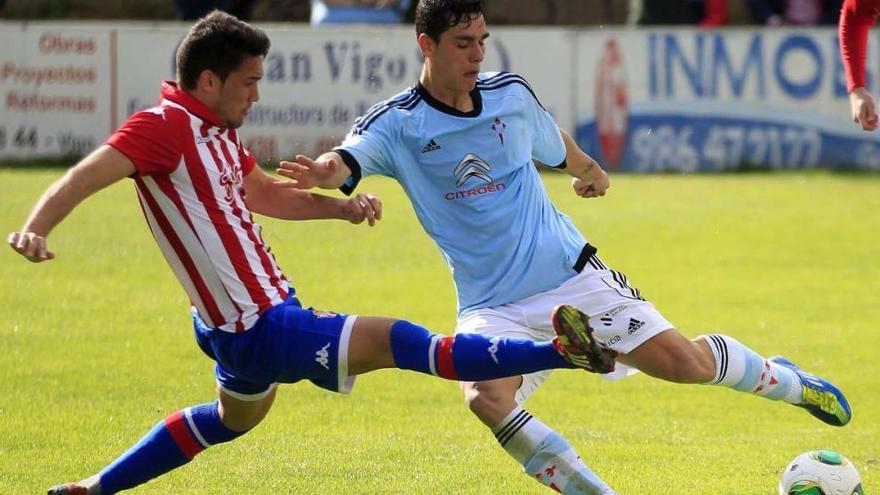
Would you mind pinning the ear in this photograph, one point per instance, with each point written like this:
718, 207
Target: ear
207, 81
427, 45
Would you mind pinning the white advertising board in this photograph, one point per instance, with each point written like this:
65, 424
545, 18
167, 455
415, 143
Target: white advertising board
316, 81
698, 100
56, 86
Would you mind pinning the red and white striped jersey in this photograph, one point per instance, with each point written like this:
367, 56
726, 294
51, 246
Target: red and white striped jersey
189, 179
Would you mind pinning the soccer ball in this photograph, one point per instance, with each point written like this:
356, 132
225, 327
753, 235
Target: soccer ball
820, 472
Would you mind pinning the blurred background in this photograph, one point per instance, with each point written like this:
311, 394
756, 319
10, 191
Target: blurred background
644, 85
520, 12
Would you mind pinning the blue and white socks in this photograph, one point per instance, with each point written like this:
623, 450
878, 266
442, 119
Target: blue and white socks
469, 357
172, 443
740, 368
546, 456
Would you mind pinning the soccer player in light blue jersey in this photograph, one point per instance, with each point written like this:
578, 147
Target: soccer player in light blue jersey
462, 144
198, 187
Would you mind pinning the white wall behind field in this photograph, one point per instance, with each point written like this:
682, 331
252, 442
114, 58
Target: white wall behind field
639, 100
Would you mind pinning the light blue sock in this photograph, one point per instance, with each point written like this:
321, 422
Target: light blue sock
740, 368
546, 456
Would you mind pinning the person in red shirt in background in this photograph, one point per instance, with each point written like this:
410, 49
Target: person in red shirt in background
856, 17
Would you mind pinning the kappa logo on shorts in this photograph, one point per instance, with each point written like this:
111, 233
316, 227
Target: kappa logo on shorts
322, 356
493, 348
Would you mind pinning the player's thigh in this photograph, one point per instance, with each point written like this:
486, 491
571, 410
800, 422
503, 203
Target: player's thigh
370, 345
503, 321
304, 344
671, 356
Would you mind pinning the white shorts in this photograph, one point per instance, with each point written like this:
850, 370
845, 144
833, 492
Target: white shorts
621, 319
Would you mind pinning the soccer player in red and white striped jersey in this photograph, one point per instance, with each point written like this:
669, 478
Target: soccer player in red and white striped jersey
197, 186
856, 18
190, 180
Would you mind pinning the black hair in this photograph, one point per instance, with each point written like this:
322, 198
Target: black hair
435, 17
217, 42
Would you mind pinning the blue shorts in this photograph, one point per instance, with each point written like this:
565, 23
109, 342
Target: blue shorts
288, 344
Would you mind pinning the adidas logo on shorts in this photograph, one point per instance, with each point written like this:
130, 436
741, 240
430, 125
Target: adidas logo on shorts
634, 325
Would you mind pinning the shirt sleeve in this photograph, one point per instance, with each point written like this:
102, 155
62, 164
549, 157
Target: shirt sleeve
368, 149
547, 144
856, 18
152, 139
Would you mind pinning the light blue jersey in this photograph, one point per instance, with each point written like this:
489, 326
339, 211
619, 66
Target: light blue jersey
474, 187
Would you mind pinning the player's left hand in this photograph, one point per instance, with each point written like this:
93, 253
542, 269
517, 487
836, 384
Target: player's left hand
594, 185
305, 173
864, 110
30, 245
364, 207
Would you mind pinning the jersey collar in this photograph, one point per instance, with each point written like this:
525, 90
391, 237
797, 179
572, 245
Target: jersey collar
443, 107
171, 91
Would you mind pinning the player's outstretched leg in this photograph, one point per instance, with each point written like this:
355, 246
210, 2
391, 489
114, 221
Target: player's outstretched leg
472, 357
735, 366
172, 443
546, 455
740, 368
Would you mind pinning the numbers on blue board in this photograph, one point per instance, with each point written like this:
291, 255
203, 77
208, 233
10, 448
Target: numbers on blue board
688, 148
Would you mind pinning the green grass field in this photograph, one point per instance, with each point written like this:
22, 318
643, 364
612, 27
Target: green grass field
96, 346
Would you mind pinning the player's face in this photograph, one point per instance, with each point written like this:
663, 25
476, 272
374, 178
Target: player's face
459, 54
239, 92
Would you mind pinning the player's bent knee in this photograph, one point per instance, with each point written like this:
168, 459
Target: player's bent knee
243, 416
491, 398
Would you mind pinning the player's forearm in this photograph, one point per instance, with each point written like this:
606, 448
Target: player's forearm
55, 204
340, 174
856, 18
101, 168
578, 164
312, 206
292, 204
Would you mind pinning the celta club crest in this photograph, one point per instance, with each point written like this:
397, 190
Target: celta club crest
472, 166
498, 126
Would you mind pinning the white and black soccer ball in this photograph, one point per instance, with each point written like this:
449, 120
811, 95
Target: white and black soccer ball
821, 472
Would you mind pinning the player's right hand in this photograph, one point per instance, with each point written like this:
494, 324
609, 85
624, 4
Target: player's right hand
305, 173
364, 207
594, 185
30, 245
864, 110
